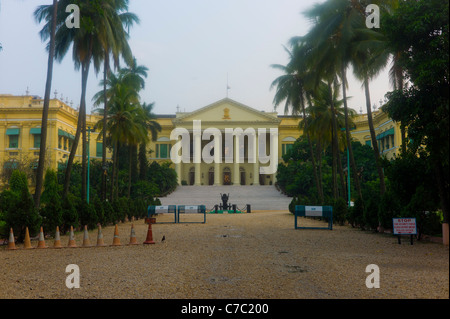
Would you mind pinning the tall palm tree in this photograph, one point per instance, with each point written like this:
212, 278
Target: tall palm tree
88, 48
368, 59
115, 45
290, 88
325, 122
123, 126
48, 88
86, 51
333, 32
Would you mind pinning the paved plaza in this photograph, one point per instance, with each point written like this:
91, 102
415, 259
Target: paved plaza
260, 197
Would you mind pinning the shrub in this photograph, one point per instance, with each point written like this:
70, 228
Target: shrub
339, 211
70, 214
88, 215
355, 214
108, 213
21, 212
51, 208
388, 208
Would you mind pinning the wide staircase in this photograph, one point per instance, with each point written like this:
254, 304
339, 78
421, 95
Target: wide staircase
265, 197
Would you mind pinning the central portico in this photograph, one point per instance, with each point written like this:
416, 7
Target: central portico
221, 121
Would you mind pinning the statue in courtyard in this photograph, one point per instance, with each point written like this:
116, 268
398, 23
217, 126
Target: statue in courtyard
225, 198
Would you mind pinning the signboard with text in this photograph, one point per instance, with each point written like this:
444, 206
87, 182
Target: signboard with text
404, 226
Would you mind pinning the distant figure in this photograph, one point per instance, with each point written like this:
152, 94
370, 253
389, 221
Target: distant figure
225, 198
163, 239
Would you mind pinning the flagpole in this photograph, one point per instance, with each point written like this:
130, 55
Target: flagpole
227, 84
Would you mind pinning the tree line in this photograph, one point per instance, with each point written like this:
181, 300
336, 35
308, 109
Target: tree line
413, 41
128, 181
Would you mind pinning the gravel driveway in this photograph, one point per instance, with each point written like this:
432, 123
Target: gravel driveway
232, 256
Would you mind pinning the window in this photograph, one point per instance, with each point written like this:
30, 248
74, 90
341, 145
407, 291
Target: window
99, 152
369, 143
14, 141
11, 165
286, 147
37, 140
13, 134
163, 150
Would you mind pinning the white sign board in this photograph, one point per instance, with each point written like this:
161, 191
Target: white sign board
161, 209
190, 209
313, 211
404, 226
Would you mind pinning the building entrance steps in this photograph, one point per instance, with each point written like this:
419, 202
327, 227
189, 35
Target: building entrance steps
261, 197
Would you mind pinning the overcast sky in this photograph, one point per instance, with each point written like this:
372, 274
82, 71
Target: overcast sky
189, 47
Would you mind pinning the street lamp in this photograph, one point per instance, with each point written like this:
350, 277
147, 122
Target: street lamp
88, 160
348, 172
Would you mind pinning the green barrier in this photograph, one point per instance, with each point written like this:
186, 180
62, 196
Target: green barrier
169, 209
314, 211
194, 209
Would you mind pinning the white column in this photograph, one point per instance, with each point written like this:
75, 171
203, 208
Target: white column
274, 153
236, 172
217, 159
197, 158
256, 165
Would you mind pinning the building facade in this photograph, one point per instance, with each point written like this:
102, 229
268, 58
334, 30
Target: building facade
20, 132
244, 159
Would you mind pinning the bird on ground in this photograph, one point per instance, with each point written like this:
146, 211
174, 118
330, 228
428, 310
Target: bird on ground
163, 239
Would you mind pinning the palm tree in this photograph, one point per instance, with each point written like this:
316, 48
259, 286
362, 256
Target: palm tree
325, 122
135, 75
48, 88
123, 126
88, 48
148, 121
291, 89
333, 32
368, 59
115, 45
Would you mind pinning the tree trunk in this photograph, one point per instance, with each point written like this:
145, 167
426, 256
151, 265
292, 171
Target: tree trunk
319, 164
341, 175
84, 157
334, 143
113, 175
105, 122
313, 159
376, 151
142, 162
130, 157
48, 88
80, 124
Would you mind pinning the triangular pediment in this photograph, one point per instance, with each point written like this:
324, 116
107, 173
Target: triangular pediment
225, 111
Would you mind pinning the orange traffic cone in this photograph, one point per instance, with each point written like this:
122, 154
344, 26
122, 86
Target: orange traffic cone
149, 239
86, 242
133, 240
41, 243
72, 243
11, 243
57, 243
27, 241
100, 242
116, 239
